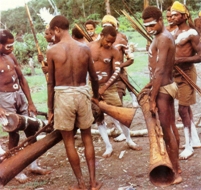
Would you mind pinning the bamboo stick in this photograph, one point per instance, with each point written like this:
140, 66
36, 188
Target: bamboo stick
84, 33
34, 34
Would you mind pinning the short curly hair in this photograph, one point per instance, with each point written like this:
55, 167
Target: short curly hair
90, 22
109, 30
151, 12
5, 35
59, 21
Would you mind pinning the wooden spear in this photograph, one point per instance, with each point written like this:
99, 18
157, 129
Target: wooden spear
34, 34
84, 33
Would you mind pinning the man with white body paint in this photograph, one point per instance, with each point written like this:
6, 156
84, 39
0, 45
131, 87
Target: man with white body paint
188, 52
107, 65
162, 89
15, 96
121, 43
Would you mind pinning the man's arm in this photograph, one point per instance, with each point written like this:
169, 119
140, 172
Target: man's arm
24, 86
196, 58
116, 62
93, 78
50, 82
160, 67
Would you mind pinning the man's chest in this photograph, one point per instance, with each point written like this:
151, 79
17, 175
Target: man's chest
102, 56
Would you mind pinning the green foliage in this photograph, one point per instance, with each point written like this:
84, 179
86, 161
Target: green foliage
27, 49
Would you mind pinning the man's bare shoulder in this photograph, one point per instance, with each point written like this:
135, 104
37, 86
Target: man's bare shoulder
93, 43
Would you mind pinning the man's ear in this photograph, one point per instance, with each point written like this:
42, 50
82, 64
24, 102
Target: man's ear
160, 19
56, 29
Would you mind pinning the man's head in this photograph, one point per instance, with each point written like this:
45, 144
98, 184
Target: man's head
169, 16
6, 42
152, 18
48, 35
109, 20
76, 34
108, 36
179, 13
57, 25
90, 26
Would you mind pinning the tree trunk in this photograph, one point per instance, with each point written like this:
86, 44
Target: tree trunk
107, 7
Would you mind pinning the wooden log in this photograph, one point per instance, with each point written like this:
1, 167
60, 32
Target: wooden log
10, 167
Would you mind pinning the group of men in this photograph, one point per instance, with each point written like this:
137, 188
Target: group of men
101, 61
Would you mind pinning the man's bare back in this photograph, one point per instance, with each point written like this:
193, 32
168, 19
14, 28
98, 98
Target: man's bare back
70, 69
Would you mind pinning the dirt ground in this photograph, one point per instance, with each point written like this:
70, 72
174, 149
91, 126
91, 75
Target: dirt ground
115, 173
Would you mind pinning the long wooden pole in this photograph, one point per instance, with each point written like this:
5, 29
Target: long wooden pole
34, 34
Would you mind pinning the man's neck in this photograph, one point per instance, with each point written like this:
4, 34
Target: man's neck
183, 26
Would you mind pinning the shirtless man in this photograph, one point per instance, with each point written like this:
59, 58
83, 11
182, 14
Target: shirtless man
68, 96
14, 94
171, 27
188, 52
163, 89
50, 41
197, 23
90, 26
107, 65
121, 43
77, 35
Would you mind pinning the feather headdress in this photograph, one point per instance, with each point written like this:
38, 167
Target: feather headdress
46, 16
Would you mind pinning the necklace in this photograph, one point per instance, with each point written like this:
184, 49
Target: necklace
13, 77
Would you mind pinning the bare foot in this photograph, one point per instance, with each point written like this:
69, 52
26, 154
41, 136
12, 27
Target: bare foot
77, 187
179, 170
193, 145
120, 138
21, 177
186, 153
98, 186
134, 146
178, 179
107, 153
39, 170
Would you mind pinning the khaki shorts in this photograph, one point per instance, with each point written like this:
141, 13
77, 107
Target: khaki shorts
72, 109
170, 89
14, 102
186, 93
111, 97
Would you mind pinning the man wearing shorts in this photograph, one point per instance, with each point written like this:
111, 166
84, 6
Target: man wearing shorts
107, 65
69, 98
14, 95
188, 52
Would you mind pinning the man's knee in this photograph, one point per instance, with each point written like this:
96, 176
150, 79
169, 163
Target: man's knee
183, 110
14, 138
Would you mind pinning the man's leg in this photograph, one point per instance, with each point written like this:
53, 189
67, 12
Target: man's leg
69, 142
186, 120
195, 141
129, 141
34, 168
90, 157
103, 132
165, 116
13, 139
174, 128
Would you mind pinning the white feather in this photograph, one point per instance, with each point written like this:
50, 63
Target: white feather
45, 15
